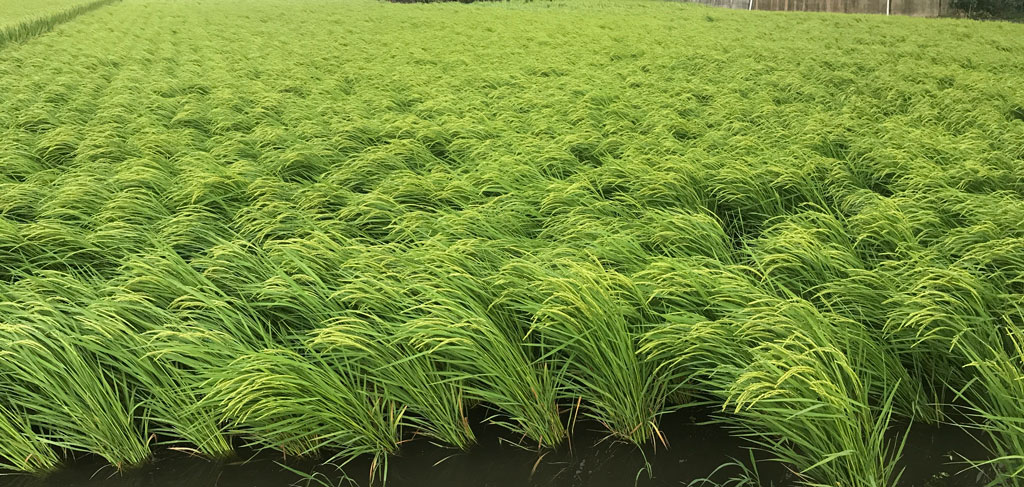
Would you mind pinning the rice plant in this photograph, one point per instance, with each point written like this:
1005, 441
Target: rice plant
24, 449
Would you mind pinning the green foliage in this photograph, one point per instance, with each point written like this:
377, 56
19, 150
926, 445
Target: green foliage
12, 11
216, 232
1009, 9
22, 20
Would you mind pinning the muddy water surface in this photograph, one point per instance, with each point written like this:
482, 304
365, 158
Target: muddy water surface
695, 451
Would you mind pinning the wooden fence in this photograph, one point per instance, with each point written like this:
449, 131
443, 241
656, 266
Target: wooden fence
919, 8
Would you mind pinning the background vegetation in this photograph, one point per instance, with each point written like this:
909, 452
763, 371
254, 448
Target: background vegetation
20, 20
16, 10
1006, 9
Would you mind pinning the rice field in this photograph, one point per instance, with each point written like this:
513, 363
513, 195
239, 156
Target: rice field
21, 19
326, 227
17, 10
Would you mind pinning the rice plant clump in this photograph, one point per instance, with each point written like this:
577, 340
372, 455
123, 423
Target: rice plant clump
215, 232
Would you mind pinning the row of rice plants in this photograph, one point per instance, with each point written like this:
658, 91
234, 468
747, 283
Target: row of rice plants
20, 20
